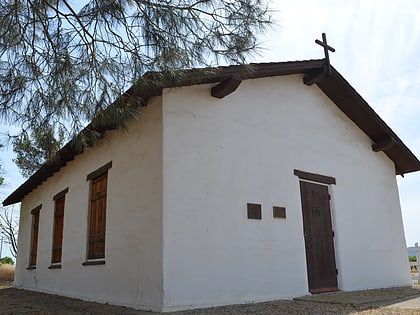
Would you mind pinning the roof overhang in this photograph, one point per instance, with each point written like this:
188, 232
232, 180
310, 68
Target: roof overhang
228, 78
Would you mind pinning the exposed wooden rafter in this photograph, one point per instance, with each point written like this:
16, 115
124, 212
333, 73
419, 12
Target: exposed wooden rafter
384, 144
226, 87
314, 77
334, 86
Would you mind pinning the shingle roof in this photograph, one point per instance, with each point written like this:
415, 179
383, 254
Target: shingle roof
334, 86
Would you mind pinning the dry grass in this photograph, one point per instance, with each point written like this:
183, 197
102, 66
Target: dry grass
7, 272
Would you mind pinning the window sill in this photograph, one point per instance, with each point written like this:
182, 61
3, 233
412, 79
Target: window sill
55, 266
93, 262
31, 268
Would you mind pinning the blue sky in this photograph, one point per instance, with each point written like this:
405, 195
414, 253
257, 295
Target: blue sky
378, 52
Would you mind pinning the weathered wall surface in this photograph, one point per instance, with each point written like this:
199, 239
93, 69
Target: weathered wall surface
177, 233
132, 274
218, 155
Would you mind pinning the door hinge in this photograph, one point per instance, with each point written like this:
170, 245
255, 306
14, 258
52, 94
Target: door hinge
329, 197
333, 234
336, 271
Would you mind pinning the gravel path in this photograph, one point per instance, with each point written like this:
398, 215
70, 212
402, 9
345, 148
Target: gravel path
14, 301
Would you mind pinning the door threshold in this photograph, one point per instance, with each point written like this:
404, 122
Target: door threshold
323, 290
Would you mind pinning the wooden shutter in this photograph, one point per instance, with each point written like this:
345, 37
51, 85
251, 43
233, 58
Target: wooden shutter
58, 230
254, 211
34, 243
279, 212
97, 220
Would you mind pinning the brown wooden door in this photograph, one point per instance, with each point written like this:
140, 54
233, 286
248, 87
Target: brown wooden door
34, 245
320, 257
97, 221
58, 231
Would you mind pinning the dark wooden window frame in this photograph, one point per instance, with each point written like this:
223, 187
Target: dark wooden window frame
279, 212
100, 171
61, 194
34, 237
93, 262
315, 177
92, 258
254, 211
57, 245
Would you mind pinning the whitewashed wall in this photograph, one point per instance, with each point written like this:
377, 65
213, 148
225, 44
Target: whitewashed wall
192, 163
218, 155
132, 274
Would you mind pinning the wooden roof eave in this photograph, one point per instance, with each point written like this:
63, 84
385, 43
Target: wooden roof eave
334, 86
351, 103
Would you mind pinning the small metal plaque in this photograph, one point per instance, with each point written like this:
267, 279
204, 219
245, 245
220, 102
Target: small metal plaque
254, 211
279, 212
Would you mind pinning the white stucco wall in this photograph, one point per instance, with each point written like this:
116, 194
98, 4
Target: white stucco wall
177, 233
132, 274
218, 155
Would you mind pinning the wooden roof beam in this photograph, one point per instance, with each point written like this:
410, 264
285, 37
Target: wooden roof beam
314, 77
226, 87
384, 144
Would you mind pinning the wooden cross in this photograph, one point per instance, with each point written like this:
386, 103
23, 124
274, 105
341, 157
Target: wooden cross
326, 49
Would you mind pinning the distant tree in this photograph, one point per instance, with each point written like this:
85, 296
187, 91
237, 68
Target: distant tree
8, 222
62, 62
7, 260
412, 258
33, 150
9, 228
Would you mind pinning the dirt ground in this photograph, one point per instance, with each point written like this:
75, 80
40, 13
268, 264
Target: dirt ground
15, 301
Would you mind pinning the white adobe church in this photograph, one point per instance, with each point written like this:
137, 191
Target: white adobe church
234, 187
